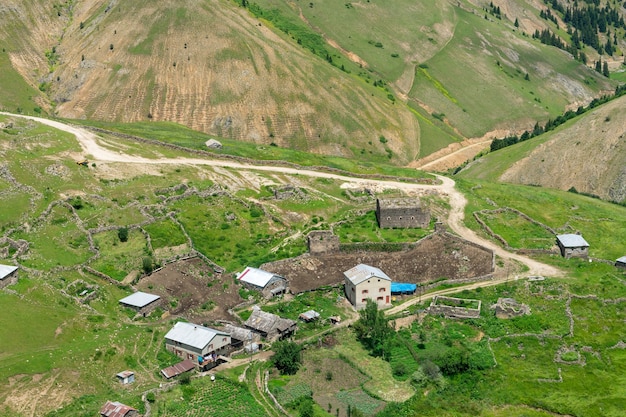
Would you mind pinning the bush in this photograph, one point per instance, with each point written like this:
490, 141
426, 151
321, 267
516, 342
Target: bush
122, 234
147, 264
150, 397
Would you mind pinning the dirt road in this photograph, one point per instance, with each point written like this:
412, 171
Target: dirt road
90, 144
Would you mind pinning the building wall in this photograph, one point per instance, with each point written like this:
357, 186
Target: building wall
580, 252
9, 280
275, 282
402, 217
322, 241
376, 289
217, 345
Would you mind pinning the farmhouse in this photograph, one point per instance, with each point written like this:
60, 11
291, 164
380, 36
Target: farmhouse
621, 262
141, 302
572, 245
401, 213
117, 409
8, 275
365, 282
270, 326
268, 283
195, 342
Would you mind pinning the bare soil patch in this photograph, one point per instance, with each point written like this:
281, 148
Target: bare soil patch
192, 289
438, 256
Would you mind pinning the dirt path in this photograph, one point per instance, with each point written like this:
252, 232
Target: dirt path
90, 145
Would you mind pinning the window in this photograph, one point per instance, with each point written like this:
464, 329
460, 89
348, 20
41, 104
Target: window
412, 217
382, 289
364, 300
388, 218
364, 291
379, 299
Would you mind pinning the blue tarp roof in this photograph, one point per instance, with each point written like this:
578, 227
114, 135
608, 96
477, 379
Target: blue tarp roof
400, 287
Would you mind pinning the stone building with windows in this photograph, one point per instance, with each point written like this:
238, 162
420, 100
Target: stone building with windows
365, 282
401, 213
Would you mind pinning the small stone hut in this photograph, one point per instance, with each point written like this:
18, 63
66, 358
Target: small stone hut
141, 302
572, 246
8, 275
322, 242
401, 213
621, 262
268, 283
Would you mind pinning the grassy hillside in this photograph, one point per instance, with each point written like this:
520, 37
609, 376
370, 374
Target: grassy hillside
586, 154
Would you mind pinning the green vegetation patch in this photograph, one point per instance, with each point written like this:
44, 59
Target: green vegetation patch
165, 233
57, 241
517, 231
118, 258
203, 397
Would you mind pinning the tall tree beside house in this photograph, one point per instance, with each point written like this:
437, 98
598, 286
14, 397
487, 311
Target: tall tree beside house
287, 357
373, 329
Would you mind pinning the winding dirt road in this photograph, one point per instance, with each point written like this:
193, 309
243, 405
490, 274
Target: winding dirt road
91, 146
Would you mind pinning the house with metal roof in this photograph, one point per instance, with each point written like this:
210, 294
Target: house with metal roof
117, 409
8, 275
572, 245
268, 283
126, 377
200, 344
365, 282
621, 262
142, 302
270, 326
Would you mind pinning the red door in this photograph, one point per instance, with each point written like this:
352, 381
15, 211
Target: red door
387, 299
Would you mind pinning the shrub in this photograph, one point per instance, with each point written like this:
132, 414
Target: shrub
122, 234
150, 397
287, 357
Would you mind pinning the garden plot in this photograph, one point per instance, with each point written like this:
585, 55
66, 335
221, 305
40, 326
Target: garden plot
192, 289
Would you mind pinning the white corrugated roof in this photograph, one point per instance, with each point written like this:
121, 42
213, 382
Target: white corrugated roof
571, 240
139, 299
255, 276
192, 334
621, 260
6, 270
362, 272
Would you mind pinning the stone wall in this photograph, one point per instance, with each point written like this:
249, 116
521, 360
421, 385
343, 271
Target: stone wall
451, 311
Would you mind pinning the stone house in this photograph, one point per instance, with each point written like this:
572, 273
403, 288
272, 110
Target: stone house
270, 326
117, 409
322, 241
141, 302
572, 246
401, 213
365, 282
621, 262
200, 344
268, 283
240, 336
8, 275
